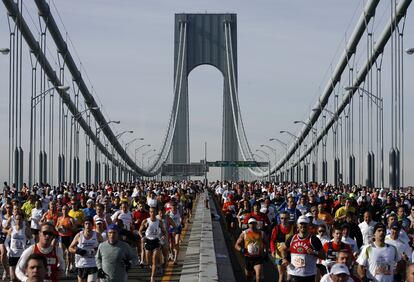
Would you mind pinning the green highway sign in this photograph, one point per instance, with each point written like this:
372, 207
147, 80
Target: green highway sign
237, 164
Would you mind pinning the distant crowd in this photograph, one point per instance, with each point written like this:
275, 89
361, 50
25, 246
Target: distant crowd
319, 232
98, 232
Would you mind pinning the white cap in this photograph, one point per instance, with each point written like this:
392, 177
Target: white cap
252, 220
303, 219
339, 268
309, 214
89, 201
59, 196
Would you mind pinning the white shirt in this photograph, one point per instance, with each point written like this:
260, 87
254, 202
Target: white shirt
367, 230
379, 261
36, 216
402, 248
125, 217
351, 242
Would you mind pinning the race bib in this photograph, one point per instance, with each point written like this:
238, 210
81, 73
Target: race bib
253, 249
383, 269
298, 261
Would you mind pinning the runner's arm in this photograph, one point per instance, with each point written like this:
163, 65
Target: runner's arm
74, 244
21, 264
239, 242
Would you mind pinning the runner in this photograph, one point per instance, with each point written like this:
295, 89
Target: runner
252, 243
36, 268
15, 243
332, 247
154, 233
304, 250
65, 225
176, 217
114, 257
168, 224
339, 273
53, 255
85, 245
378, 259
278, 239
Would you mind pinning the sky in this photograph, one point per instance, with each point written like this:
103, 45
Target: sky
286, 53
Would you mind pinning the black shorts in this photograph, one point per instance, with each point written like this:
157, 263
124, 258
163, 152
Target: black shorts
2, 238
151, 245
250, 262
66, 241
13, 261
294, 278
83, 272
34, 231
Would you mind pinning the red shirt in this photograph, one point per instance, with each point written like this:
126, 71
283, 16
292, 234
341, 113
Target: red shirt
261, 219
52, 263
138, 217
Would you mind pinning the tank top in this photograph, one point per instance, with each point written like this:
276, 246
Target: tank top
301, 264
153, 229
332, 253
17, 242
51, 217
253, 243
52, 264
66, 229
176, 218
91, 246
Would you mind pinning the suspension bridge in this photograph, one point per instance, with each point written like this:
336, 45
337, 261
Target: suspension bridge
354, 133
350, 108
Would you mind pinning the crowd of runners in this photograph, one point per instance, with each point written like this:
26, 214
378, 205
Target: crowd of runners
318, 232
313, 232
99, 233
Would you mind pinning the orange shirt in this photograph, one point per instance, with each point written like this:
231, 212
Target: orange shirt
64, 226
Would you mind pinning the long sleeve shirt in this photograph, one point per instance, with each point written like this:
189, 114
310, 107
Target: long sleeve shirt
111, 259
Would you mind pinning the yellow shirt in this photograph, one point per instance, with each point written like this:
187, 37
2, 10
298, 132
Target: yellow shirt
343, 210
78, 216
27, 209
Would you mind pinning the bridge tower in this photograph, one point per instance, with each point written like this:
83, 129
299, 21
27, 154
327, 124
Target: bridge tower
205, 43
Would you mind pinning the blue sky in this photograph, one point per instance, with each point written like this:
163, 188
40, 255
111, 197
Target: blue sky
286, 51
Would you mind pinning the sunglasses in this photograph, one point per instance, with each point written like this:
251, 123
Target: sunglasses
321, 231
50, 233
283, 218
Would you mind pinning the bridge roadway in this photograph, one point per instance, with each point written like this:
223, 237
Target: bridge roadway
206, 253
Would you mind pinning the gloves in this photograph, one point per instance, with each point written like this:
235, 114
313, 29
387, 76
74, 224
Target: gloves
128, 265
101, 273
242, 250
81, 252
266, 257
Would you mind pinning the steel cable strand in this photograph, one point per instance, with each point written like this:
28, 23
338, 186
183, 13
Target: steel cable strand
246, 150
165, 152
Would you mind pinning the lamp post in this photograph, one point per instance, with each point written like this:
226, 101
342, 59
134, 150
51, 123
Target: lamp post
137, 149
122, 133
268, 161
97, 163
315, 151
379, 102
150, 157
144, 154
298, 150
409, 51
75, 160
284, 145
131, 142
33, 103
4, 51
273, 150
